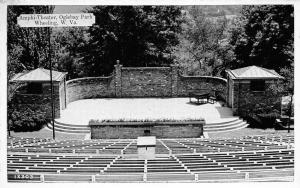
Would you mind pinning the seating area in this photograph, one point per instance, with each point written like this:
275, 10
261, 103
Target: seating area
163, 146
15, 141
289, 139
251, 158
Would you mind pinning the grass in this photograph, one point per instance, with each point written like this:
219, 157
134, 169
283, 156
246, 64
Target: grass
47, 133
249, 131
93, 121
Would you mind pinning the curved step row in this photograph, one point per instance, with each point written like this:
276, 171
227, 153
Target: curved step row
69, 129
210, 127
225, 126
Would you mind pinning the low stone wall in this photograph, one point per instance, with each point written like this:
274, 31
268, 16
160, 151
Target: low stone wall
188, 84
90, 87
115, 130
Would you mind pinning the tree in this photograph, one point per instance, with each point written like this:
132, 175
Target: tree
67, 43
27, 49
265, 36
200, 49
135, 35
31, 42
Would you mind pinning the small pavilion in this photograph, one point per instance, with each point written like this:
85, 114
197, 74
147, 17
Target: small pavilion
251, 86
36, 90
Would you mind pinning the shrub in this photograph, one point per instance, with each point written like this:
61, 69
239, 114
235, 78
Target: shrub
264, 120
268, 120
25, 118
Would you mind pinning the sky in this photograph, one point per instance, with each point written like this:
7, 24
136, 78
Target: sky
69, 8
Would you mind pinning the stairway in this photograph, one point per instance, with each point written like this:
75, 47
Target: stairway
230, 125
68, 128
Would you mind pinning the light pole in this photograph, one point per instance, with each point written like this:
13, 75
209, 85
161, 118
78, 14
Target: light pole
290, 114
51, 83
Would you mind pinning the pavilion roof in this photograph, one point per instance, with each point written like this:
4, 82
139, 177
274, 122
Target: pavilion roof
38, 75
254, 72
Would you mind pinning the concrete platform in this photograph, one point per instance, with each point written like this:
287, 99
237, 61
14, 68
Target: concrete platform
82, 111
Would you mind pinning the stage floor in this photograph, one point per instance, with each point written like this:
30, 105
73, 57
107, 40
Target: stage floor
82, 111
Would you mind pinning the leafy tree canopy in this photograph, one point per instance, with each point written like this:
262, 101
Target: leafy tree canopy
265, 37
135, 35
200, 51
29, 44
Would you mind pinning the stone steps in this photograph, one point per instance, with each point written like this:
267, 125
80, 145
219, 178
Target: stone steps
230, 125
69, 129
225, 126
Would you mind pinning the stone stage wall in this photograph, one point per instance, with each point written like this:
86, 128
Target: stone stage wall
134, 129
89, 88
142, 82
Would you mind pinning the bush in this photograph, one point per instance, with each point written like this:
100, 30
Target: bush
268, 120
25, 118
263, 121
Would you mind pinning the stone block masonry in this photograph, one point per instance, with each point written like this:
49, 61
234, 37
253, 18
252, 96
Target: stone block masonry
90, 87
142, 82
118, 80
146, 82
134, 129
188, 84
42, 101
247, 101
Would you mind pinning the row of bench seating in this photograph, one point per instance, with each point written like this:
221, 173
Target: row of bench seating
19, 141
272, 138
265, 175
176, 163
163, 146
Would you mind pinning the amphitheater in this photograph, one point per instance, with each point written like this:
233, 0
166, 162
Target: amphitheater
184, 152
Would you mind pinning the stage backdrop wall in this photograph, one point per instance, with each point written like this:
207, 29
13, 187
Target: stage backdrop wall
143, 82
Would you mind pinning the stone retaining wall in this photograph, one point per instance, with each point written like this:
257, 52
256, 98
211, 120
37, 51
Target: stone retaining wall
188, 84
135, 129
90, 87
142, 82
